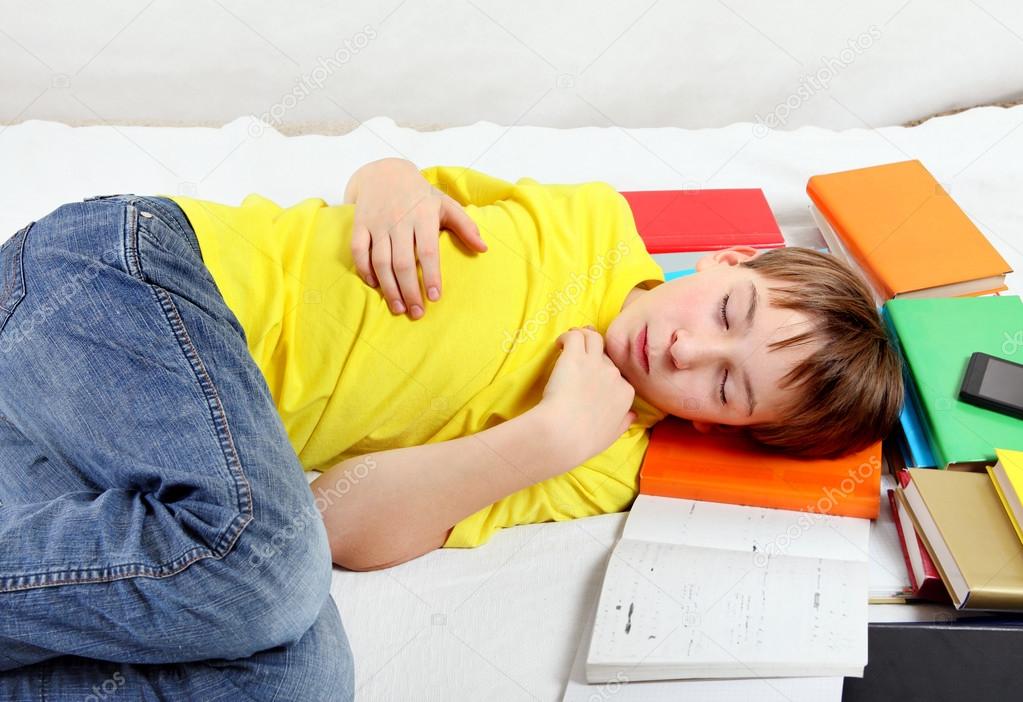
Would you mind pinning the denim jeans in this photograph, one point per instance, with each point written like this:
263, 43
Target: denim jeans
158, 538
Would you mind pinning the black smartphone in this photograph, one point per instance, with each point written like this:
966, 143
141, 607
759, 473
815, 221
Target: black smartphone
993, 383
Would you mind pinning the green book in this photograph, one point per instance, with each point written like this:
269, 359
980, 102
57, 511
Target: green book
937, 336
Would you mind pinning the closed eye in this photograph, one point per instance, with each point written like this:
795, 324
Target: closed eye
724, 320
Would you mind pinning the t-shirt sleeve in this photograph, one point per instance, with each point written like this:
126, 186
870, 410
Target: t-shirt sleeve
467, 186
606, 483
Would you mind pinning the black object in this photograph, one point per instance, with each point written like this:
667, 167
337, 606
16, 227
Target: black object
993, 383
965, 661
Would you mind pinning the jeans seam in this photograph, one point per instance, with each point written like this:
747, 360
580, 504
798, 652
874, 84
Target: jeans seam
229, 535
131, 570
217, 412
213, 402
166, 215
10, 296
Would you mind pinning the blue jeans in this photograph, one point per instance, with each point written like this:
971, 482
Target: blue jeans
158, 538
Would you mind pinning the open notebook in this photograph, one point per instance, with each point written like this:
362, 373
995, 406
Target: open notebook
732, 690
708, 590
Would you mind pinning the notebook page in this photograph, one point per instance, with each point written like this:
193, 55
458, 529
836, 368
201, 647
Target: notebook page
734, 690
684, 611
762, 530
888, 574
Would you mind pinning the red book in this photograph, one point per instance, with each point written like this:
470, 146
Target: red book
672, 221
923, 575
725, 467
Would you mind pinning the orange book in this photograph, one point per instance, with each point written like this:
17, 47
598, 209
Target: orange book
908, 237
725, 467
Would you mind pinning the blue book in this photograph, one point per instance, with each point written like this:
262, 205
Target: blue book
920, 454
902, 446
671, 275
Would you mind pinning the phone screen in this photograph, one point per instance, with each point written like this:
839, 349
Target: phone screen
1003, 382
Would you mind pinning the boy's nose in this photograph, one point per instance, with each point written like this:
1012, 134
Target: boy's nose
689, 352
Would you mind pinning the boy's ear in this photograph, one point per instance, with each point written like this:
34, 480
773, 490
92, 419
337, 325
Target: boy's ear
731, 256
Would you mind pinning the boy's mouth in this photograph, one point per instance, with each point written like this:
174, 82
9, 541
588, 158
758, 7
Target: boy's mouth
640, 350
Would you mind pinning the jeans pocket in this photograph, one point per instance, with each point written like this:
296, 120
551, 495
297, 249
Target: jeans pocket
12, 282
155, 231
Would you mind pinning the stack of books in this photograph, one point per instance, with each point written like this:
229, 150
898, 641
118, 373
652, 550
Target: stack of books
967, 525
936, 338
937, 280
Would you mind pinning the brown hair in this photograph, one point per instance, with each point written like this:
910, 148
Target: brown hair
849, 391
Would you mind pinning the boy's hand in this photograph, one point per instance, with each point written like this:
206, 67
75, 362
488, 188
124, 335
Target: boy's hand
587, 396
398, 217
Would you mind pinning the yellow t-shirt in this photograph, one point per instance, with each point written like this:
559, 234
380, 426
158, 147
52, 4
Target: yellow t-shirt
349, 378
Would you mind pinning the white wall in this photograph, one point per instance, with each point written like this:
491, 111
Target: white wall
428, 63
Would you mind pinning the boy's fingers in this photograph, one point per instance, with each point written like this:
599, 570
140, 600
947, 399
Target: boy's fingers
454, 218
426, 251
594, 341
360, 255
381, 257
403, 262
571, 342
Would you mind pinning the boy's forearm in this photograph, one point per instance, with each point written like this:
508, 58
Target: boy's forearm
407, 499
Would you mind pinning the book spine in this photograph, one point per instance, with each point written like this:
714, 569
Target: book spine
902, 445
918, 433
853, 249
918, 436
903, 541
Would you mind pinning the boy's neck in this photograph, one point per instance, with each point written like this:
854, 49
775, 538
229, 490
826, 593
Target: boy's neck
635, 293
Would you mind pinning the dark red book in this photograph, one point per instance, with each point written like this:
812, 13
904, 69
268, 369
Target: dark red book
923, 575
673, 221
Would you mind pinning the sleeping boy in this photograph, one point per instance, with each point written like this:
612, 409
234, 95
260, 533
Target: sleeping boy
525, 392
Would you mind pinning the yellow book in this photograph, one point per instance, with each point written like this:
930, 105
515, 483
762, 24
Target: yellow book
1007, 475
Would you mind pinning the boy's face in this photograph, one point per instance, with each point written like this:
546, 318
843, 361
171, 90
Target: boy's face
691, 349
